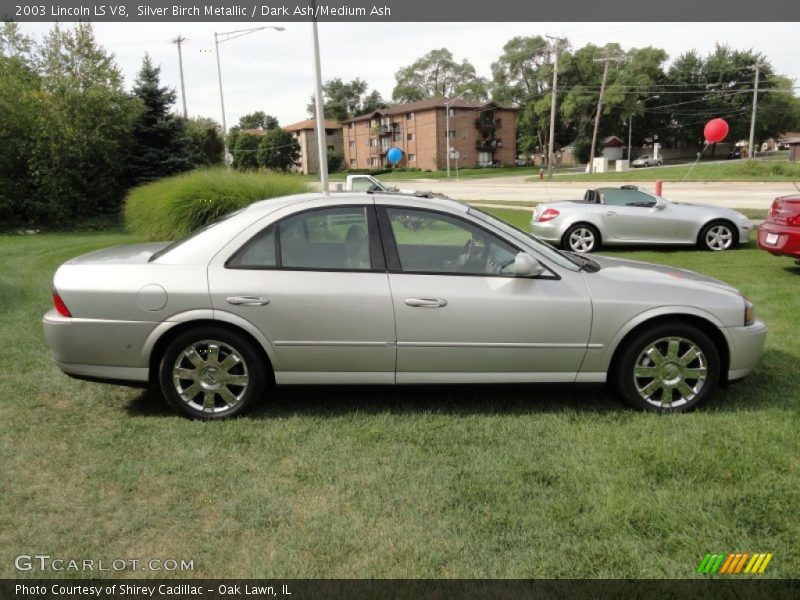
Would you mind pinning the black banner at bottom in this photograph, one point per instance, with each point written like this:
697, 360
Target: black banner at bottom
390, 589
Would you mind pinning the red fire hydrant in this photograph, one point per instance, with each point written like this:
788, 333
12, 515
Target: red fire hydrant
541, 173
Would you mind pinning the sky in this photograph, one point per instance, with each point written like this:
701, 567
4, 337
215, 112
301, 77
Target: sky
273, 71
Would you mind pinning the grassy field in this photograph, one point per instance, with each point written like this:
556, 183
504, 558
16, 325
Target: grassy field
735, 170
518, 481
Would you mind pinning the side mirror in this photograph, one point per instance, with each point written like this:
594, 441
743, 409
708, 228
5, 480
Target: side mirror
526, 265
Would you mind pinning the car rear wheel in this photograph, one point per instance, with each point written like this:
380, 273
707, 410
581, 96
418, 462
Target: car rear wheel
581, 238
668, 368
718, 236
211, 373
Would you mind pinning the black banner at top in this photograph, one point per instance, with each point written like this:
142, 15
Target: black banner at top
402, 10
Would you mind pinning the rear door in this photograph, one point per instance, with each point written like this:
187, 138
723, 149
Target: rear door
315, 284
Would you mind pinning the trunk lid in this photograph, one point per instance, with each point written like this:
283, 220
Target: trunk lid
119, 255
785, 210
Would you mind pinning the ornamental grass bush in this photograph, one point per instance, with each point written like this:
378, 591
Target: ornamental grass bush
171, 208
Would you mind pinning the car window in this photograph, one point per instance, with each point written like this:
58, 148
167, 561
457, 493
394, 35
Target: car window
429, 242
615, 197
636, 198
331, 238
361, 184
259, 252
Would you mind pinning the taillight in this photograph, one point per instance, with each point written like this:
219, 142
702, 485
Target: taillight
548, 215
59, 305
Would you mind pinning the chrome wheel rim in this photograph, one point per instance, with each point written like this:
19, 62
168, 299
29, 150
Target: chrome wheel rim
670, 372
210, 376
581, 240
719, 237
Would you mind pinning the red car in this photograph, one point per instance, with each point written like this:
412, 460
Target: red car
780, 233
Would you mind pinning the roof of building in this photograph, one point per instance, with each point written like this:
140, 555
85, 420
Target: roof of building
311, 124
613, 141
427, 104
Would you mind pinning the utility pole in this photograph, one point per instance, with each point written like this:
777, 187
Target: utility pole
319, 110
550, 154
753, 117
630, 136
178, 41
606, 60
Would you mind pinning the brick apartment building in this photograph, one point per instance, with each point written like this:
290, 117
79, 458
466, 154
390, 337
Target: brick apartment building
306, 136
483, 133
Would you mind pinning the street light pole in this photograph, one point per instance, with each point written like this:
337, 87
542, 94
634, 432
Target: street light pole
228, 36
550, 154
447, 128
178, 41
320, 112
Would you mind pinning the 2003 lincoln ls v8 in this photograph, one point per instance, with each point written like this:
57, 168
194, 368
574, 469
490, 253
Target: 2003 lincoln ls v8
389, 288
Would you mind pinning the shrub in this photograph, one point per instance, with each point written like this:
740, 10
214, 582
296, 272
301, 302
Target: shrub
171, 208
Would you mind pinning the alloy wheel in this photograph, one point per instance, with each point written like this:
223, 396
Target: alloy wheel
670, 372
719, 237
210, 376
582, 239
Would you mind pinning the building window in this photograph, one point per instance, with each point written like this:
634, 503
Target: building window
373, 142
374, 123
452, 112
412, 158
410, 116
352, 144
349, 125
410, 137
451, 134
331, 148
352, 162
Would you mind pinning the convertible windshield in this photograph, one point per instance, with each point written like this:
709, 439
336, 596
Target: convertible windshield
542, 247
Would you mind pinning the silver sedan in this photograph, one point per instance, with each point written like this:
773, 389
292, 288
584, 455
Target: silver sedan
627, 215
389, 289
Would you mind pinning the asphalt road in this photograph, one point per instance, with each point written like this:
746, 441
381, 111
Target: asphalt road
514, 188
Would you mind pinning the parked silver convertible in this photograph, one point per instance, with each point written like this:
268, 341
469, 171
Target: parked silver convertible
382, 289
627, 215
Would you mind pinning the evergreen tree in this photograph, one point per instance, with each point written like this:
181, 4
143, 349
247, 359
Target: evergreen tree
161, 145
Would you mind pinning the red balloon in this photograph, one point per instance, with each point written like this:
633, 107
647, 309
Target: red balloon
716, 130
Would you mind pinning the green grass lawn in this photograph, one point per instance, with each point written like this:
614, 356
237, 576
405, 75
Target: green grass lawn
735, 170
452, 481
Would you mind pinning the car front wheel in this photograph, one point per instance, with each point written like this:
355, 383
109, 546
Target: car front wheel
581, 238
718, 236
668, 368
211, 373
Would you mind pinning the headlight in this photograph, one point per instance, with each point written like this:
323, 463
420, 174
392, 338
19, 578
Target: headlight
749, 313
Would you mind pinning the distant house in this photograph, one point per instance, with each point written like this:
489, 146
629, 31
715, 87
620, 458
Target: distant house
792, 140
305, 134
480, 134
613, 148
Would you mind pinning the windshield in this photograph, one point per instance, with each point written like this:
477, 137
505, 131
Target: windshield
542, 247
194, 233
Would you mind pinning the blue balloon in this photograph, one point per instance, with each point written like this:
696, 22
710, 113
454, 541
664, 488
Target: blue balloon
394, 155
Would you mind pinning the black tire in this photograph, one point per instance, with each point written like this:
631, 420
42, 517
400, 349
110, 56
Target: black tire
707, 240
650, 393
225, 387
568, 242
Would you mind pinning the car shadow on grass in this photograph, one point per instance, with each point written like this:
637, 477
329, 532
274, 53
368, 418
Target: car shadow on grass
764, 389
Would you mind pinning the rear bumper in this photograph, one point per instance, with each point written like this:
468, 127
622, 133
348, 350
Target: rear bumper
746, 344
98, 349
549, 231
786, 241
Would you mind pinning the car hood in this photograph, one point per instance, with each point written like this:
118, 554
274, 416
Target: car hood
628, 271
119, 255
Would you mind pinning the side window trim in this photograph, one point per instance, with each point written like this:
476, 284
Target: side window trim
393, 256
376, 249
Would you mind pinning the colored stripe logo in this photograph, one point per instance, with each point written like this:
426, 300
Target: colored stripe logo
734, 563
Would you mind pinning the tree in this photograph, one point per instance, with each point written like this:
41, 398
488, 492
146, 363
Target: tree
161, 145
82, 130
335, 161
438, 74
245, 149
278, 150
346, 100
206, 141
258, 120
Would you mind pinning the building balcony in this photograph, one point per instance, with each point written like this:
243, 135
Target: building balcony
487, 124
488, 145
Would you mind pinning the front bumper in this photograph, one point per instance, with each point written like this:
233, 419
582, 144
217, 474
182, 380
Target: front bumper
746, 344
787, 240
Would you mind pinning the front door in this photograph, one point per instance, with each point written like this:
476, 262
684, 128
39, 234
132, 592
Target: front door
635, 215
462, 316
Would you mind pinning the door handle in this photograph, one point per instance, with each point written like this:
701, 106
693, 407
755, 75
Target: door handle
426, 302
609, 213
248, 300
